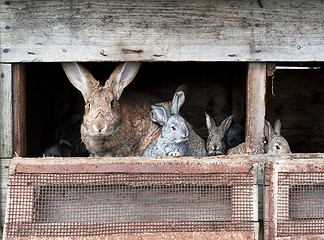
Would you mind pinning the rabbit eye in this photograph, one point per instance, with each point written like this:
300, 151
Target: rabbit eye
112, 104
174, 128
277, 147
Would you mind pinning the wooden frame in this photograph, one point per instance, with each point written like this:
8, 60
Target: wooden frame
293, 164
243, 165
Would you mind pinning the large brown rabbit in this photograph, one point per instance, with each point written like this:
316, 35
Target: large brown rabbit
113, 125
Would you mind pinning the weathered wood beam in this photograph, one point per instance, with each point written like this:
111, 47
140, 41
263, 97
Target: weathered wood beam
255, 105
6, 111
161, 30
19, 109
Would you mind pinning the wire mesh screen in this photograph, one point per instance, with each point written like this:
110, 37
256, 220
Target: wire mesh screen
101, 204
300, 203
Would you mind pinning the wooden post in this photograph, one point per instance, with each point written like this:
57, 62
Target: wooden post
6, 111
255, 105
19, 109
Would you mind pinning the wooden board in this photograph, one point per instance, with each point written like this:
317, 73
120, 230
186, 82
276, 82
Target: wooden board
4, 163
161, 30
19, 109
255, 105
5, 111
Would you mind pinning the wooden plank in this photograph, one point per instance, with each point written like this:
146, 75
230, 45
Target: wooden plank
160, 236
19, 109
134, 165
161, 30
5, 111
255, 105
3, 188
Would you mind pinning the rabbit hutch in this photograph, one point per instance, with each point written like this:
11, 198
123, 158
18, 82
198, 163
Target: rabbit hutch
249, 61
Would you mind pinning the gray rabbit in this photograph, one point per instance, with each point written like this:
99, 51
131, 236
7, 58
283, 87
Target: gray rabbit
173, 140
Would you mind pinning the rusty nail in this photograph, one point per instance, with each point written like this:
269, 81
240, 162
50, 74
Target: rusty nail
298, 47
7, 27
6, 50
2, 75
102, 52
7, 2
258, 51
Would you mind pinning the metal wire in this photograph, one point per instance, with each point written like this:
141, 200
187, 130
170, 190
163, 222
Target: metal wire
57, 205
300, 203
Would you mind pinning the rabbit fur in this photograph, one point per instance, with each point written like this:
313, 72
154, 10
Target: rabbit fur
196, 143
62, 149
275, 143
113, 125
174, 138
216, 135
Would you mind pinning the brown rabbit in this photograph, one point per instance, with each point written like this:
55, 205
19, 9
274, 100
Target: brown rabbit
113, 126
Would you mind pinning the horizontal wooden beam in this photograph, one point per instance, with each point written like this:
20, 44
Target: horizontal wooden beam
161, 30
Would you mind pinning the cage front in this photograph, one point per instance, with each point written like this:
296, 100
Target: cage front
89, 204
298, 187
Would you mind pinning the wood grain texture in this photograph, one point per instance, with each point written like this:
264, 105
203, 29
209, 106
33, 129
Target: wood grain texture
256, 89
5, 111
161, 30
3, 188
19, 109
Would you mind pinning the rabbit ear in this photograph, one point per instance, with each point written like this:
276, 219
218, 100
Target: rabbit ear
183, 88
210, 122
277, 127
81, 78
227, 123
160, 114
268, 131
177, 102
122, 76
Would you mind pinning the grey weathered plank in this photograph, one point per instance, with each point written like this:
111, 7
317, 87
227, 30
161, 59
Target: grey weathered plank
3, 188
5, 111
161, 30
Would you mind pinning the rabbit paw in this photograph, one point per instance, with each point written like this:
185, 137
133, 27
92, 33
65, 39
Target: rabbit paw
174, 154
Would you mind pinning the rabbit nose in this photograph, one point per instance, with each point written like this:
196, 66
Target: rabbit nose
101, 128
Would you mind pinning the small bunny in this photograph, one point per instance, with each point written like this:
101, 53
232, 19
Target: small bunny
173, 140
113, 125
195, 142
216, 135
275, 143
62, 149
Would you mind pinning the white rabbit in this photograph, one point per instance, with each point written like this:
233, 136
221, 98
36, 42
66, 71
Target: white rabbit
173, 140
195, 142
113, 125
